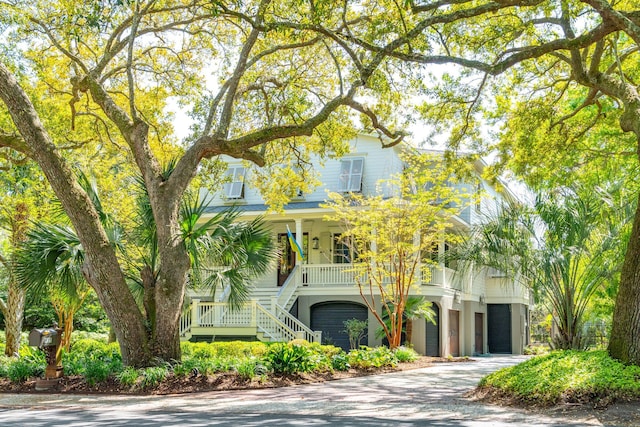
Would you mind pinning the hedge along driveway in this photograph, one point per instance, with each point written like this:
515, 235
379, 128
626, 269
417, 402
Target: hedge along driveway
428, 396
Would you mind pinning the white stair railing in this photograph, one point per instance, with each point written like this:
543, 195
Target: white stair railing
299, 329
289, 289
271, 326
185, 323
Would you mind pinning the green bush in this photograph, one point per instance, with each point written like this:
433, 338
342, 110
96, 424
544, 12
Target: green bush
289, 358
4, 364
188, 366
367, 358
96, 360
31, 363
231, 349
19, 370
128, 376
251, 367
151, 377
95, 371
405, 354
340, 362
536, 349
567, 375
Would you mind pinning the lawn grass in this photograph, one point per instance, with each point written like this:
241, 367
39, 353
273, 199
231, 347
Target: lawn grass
566, 376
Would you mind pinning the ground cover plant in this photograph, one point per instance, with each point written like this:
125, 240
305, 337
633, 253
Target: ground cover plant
95, 365
564, 376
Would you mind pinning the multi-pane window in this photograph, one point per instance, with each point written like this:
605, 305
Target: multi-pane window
343, 251
351, 174
234, 189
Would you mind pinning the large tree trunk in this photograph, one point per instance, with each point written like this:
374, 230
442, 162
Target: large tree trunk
171, 283
624, 344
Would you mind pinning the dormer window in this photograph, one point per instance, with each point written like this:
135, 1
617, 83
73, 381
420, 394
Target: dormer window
351, 175
235, 188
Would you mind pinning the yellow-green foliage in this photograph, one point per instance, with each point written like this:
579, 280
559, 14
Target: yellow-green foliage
327, 350
571, 375
232, 349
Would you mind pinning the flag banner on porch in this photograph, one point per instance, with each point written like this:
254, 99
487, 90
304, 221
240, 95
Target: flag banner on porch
294, 244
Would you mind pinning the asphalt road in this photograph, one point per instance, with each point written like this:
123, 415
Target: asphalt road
425, 397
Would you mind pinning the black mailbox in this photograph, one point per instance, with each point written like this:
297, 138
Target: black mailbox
41, 338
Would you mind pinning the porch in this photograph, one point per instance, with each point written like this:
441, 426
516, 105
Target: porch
267, 316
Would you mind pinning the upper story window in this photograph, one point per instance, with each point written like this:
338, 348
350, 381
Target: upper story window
235, 188
479, 194
351, 174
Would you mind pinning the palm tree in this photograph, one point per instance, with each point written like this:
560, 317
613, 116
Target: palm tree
50, 261
416, 307
224, 251
563, 247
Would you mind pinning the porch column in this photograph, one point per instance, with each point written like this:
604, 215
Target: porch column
441, 263
299, 238
195, 319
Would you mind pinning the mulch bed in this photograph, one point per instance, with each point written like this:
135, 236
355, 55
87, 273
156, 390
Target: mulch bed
218, 382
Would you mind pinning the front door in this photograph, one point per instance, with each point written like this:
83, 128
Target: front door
454, 335
479, 333
287, 258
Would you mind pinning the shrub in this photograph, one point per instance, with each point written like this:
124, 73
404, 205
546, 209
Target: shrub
536, 349
95, 371
19, 370
405, 354
188, 367
31, 363
367, 358
152, 376
340, 362
568, 375
95, 360
4, 364
356, 330
128, 376
288, 358
251, 367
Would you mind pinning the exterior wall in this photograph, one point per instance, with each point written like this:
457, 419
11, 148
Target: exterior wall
519, 327
470, 310
378, 164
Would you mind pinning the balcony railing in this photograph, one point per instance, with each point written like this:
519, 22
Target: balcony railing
332, 275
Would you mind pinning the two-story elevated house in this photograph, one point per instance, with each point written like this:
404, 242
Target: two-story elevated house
311, 298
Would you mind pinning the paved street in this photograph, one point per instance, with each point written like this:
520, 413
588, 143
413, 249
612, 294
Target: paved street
425, 397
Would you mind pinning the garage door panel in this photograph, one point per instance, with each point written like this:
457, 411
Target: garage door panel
499, 328
329, 318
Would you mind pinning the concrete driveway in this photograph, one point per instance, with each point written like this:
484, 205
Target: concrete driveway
425, 397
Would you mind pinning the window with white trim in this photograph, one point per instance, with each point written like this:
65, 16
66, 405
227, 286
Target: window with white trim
235, 188
351, 174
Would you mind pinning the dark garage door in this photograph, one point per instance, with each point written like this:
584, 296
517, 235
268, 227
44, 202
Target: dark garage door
433, 334
499, 328
329, 317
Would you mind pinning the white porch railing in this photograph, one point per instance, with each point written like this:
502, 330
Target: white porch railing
279, 326
185, 323
271, 326
300, 329
330, 275
288, 291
